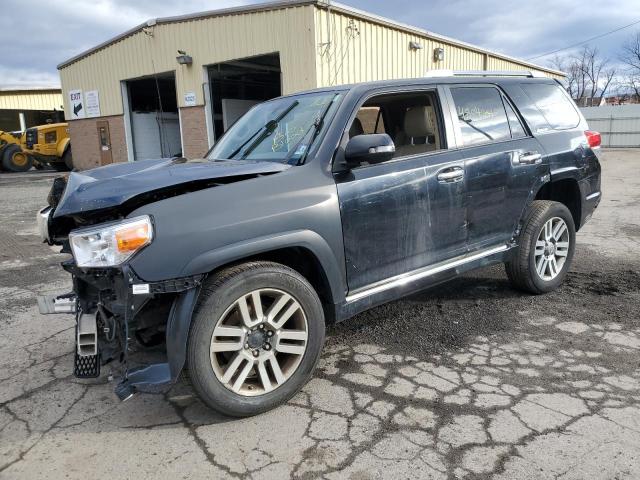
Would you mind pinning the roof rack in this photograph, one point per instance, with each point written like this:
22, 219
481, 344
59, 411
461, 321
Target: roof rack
484, 73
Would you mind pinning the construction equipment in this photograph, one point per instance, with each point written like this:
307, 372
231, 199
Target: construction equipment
37, 146
11, 150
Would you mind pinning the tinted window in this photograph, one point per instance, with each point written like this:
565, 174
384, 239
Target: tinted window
552, 102
481, 115
517, 130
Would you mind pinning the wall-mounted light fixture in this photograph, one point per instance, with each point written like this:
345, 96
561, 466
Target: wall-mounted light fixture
183, 58
415, 46
438, 54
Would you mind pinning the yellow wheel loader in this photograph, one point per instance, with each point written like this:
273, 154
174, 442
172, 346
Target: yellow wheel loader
42, 145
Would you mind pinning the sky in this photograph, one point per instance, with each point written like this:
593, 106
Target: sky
39, 34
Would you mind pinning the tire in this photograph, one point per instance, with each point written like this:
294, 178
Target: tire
15, 160
67, 158
531, 258
219, 310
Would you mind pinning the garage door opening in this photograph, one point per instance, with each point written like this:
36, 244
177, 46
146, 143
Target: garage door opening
239, 84
153, 110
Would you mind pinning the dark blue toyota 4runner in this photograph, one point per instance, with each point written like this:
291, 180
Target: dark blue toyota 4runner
310, 209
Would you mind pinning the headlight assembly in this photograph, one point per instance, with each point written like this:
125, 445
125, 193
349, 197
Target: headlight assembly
111, 244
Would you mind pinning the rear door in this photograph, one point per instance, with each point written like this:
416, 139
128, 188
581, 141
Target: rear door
502, 162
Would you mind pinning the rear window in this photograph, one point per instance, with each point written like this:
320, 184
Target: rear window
481, 115
553, 103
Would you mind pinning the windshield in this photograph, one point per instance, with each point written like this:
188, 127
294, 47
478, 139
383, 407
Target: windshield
281, 130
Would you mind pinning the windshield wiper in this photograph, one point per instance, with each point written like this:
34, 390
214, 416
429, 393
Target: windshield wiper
316, 126
266, 130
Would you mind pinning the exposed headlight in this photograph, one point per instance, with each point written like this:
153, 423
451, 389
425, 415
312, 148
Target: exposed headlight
109, 245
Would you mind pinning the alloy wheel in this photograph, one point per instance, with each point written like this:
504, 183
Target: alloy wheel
552, 248
259, 342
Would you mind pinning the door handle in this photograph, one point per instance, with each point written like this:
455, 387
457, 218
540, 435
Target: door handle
527, 158
450, 175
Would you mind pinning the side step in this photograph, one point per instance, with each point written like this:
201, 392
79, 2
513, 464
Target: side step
50, 304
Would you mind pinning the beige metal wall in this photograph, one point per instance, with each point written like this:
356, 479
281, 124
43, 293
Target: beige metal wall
30, 100
375, 51
288, 31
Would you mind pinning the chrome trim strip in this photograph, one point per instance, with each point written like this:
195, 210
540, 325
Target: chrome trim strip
405, 278
592, 196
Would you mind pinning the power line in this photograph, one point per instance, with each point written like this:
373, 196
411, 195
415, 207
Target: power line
585, 41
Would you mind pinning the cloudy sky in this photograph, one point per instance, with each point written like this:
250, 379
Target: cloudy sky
39, 34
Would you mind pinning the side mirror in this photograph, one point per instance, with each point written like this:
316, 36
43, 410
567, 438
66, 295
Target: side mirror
372, 148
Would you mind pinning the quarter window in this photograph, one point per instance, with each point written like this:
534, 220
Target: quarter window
481, 115
555, 106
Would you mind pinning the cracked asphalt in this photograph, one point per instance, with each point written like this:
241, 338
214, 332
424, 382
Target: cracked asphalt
471, 380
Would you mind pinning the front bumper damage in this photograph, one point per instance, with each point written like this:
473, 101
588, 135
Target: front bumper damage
121, 318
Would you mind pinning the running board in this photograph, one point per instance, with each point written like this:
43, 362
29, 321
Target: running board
421, 273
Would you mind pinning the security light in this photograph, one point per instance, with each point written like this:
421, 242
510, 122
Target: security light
415, 46
183, 58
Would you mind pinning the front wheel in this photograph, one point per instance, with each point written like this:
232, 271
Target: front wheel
545, 248
255, 339
15, 160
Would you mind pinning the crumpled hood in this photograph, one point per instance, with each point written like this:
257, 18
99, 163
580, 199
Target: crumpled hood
113, 185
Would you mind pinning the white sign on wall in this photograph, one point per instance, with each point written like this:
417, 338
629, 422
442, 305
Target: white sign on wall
92, 103
190, 99
76, 104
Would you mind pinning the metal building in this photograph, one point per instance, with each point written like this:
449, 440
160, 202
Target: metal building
24, 108
173, 85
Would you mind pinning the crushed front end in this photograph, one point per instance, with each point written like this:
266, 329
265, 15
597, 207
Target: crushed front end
142, 326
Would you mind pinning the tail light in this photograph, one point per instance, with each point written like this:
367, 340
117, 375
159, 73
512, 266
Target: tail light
593, 138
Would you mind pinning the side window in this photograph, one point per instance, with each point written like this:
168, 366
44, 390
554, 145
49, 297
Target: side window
517, 130
554, 105
481, 115
410, 119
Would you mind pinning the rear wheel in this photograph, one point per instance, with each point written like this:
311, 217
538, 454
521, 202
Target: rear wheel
67, 158
15, 160
545, 248
255, 339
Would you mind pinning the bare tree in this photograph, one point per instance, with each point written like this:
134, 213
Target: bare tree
589, 76
631, 58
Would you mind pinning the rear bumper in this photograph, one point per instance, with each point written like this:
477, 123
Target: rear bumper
590, 197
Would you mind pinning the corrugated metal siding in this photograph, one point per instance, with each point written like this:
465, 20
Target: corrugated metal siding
30, 100
619, 125
288, 31
381, 52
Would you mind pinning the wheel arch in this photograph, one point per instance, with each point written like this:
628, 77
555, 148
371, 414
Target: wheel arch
565, 190
304, 251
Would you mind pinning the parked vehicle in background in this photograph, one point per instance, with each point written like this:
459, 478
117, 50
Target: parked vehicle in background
38, 146
310, 209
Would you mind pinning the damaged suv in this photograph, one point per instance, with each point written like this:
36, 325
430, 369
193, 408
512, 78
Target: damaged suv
310, 209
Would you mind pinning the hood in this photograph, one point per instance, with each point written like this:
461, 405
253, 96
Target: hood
112, 185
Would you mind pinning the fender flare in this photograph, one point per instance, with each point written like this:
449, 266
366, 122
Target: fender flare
307, 239
62, 147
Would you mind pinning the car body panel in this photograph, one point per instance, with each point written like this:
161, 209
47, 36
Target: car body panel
377, 232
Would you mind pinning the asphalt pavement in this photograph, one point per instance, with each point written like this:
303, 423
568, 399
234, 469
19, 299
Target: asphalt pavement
470, 380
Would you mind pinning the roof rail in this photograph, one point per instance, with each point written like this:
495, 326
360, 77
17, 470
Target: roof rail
484, 73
